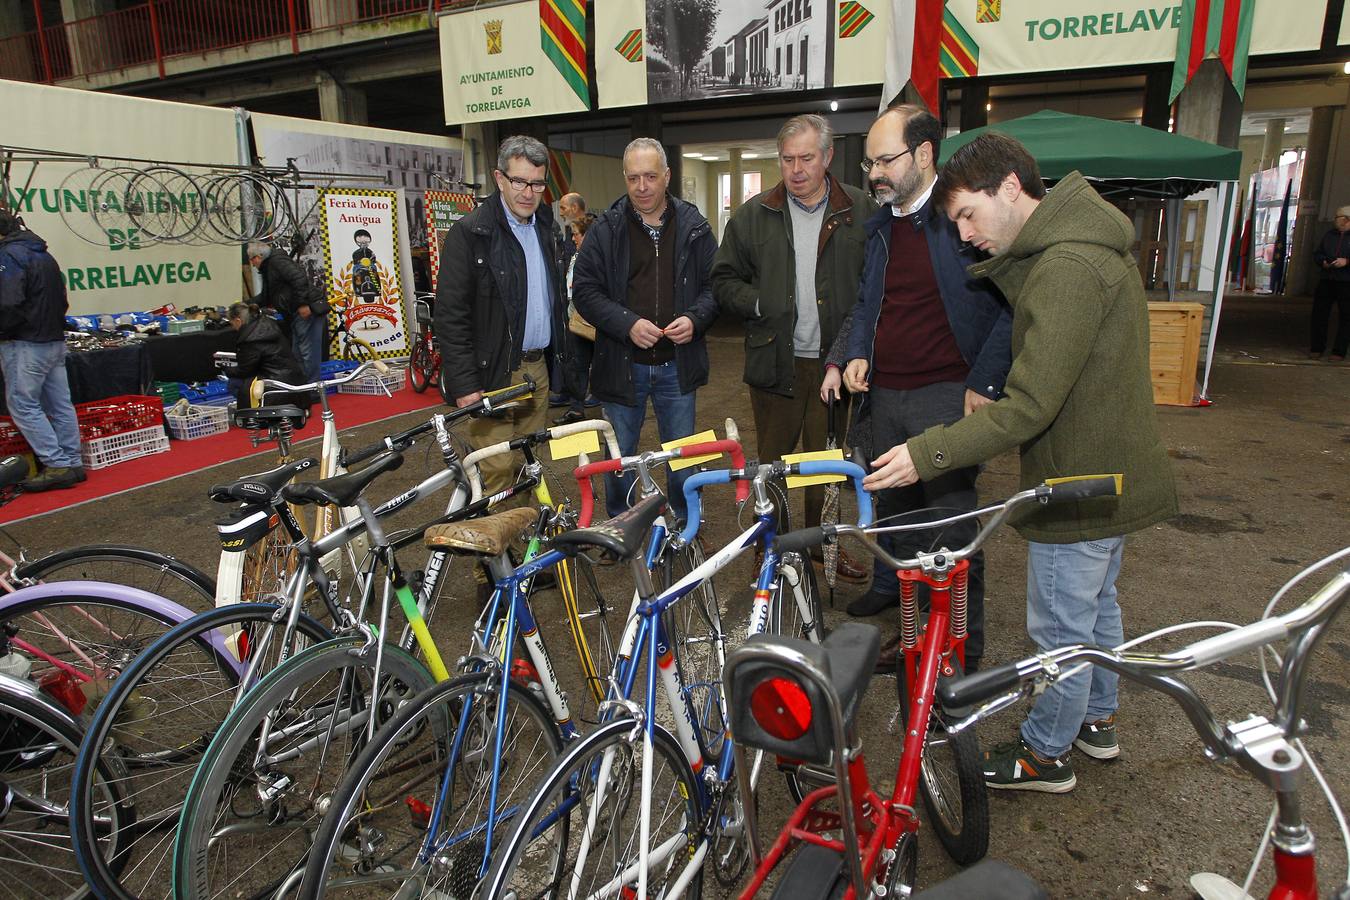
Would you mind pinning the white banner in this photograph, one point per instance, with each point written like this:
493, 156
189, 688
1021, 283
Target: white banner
108, 264
620, 53
361, 256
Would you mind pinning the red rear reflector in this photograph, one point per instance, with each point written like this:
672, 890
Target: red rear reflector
781, 708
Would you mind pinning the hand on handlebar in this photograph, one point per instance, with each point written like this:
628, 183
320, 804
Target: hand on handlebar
894, 468
468, 399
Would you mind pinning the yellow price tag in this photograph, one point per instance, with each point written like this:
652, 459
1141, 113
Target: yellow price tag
801, 481
701, 437
574, 445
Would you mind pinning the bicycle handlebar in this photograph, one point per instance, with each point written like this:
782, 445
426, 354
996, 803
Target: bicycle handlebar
263, 385
761, 473
404, 439
471, 461
586, 471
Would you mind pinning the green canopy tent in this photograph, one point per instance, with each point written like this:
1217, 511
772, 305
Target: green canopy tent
1126, 160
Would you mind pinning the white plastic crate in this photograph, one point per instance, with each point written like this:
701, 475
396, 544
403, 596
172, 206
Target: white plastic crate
198, 422
102, 452
375, 383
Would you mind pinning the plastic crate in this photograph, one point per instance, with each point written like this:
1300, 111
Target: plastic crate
12, 440
186, 326
206, 393
375, 383
330, 367
118, 415
167, 391
197, 422
115, 448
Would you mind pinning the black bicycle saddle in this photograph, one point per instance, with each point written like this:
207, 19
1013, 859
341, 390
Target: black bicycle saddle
342, 490
260, 418
622, 537
263, 487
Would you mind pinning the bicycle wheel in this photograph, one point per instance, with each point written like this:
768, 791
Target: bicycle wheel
699, 645
77, 212
267, 778
37, 748
154, 725
596, 788
157, 573
373, 840
951, 780
356, 350
420, 371
795, 611
267, 566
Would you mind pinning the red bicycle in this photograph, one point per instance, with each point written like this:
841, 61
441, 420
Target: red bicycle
424, 363
798, 700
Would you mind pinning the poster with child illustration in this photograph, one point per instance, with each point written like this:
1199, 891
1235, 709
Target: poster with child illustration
361, 254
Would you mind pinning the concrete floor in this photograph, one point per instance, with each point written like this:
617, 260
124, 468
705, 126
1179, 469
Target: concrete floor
1264, 480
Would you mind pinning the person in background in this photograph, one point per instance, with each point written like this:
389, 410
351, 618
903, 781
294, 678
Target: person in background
261, 351
571, 209
788, 267
1333, 258
33, 355
1078, 401
301, 305
580, 349
643, 280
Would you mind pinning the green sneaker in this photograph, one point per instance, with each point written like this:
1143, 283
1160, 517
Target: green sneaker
1016, 767
54, 477
1098, 739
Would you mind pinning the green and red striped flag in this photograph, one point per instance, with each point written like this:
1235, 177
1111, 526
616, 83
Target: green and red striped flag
630, 48
958, 54
853, 18
562, 33
559, 175
1213, 28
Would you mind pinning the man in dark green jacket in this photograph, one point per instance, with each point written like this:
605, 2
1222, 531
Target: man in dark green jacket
788, 266
1078, 401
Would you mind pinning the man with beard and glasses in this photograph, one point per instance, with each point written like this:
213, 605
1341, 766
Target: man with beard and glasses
927, 345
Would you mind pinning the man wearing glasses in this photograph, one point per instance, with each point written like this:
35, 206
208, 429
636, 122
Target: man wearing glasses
927, 345
498, 304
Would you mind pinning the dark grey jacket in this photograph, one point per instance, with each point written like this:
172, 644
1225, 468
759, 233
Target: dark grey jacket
32, 295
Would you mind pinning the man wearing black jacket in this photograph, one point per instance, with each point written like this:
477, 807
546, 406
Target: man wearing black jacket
33, 354
288, 290
499, 306
261, 351
642, 278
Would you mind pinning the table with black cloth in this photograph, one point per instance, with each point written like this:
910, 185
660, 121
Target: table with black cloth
189, 357
99, 374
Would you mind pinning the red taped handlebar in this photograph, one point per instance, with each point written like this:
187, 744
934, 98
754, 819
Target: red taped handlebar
583, 474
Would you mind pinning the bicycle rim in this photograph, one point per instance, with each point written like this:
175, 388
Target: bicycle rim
373, 842
267, 778
597, 789
268, 565
155, 724
700, 647
39, 751
135, 567
420, 374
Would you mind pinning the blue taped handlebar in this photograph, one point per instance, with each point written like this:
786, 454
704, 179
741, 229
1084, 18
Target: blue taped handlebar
694, 501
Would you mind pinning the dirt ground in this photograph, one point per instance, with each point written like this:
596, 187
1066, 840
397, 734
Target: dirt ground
1264, 481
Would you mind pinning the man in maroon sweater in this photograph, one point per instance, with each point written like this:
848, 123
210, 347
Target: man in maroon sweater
927, 344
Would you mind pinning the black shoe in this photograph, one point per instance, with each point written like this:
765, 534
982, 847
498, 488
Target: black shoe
873, 602
572, 415
79, 474
556, 400
54, 477
591, 401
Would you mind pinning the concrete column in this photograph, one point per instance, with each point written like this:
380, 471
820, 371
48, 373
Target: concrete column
1311, 220
327, 13
340, 102
90, 50
736, 189
1208, 109
1157, 85
1274, 143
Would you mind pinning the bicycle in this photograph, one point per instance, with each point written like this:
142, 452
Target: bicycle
489, 733
799, 701
424, 362
641, 830
350, 347
1267, 748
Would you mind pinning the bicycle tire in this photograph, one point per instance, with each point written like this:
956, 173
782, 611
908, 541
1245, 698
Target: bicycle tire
267, 567
149, 570
158, 764
39, 744
700, 647
786, 616
373, 834
78, 214
951, 780
674, 790
420, 372
118, 205
356, 350
299, 693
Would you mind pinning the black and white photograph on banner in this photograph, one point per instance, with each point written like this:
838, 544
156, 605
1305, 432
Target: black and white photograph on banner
719, 48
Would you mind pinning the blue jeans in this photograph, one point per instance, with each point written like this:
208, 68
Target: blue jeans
38, 394
674, 419
307, 340
1071, 599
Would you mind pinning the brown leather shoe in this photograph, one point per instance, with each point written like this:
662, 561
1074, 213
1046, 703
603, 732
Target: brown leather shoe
887, 656
845, 567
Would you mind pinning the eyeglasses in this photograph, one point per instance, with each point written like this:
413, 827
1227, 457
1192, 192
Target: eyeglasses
883, 161
521, 184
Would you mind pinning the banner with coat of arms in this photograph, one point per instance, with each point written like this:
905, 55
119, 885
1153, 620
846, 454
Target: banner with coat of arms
361, 256
514, 60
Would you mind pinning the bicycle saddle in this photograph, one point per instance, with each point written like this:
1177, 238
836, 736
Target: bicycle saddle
989, 879
845, 661
13, 469
342, 490
489, 536
261, 418
263, 487
622, 537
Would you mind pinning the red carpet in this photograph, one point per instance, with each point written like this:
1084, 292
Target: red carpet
184, 457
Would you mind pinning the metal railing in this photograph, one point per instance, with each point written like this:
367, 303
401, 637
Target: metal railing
160, 30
